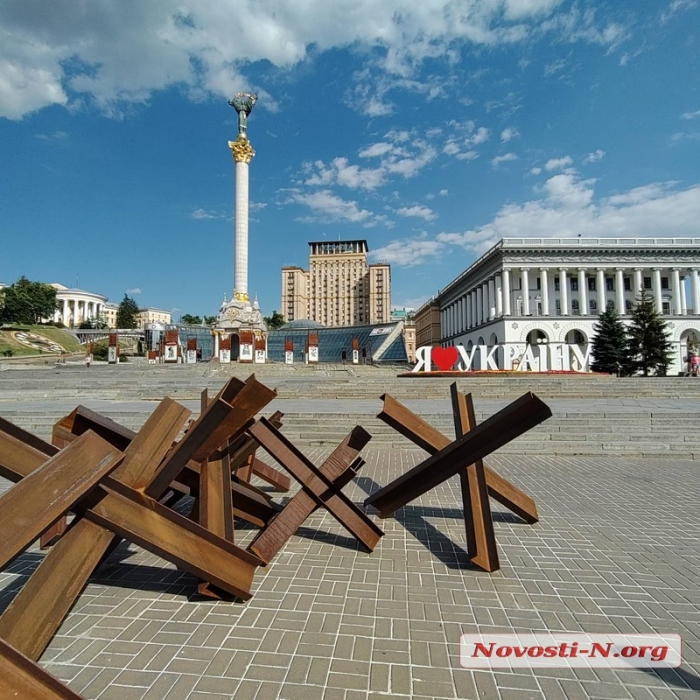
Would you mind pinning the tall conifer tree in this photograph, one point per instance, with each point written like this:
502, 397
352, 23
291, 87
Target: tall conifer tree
648, 346
609, 343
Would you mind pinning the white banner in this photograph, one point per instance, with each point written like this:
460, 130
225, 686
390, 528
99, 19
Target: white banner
313, 353
355, 357
225, 357
170, 353
259, 357
571, 650
111, 355
246, 351
289, 357
191, 357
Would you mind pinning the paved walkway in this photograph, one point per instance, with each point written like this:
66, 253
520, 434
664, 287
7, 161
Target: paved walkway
60, 407
617, 550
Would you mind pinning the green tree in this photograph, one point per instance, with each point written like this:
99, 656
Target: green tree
126, 313
609, 348
27, 302
648, 346
274, 321
190, 320
210, 320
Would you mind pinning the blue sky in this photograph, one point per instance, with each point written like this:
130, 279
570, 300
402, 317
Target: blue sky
431, 129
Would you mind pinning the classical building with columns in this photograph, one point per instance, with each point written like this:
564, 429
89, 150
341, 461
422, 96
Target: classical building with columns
534, 291
77, 305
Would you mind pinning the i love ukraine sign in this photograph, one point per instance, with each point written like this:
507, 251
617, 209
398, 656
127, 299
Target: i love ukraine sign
510, 357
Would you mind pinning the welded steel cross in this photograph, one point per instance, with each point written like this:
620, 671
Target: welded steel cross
463, 456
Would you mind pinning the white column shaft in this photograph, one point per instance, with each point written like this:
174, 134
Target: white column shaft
499, 296
695, 283
525, 285
545, 291
684, 298
582, 292
479, 305
656, 282
638, 281
240, 264
563, 292
506, 292
620, 290
676, 289
492, 298
600, 287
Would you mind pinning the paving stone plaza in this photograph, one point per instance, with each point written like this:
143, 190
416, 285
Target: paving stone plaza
617, 547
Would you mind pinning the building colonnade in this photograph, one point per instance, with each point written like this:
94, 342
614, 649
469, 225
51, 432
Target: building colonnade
571, 291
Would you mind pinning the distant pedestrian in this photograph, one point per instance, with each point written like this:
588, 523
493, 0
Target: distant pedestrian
693, 360
88, 360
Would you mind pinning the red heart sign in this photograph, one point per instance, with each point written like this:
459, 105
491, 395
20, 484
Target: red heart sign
444, 358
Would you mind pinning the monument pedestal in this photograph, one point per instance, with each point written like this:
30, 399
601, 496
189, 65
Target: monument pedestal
241, 322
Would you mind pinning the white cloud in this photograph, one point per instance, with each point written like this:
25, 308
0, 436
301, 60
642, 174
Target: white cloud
409, 252
508, 134
594, 157
443, 193
54, 52
376, 150
495, 162
568, 209
419, 211
135, 290
467, 155
327, 206
535, 171
204, 214
56, 136
396, 157
691, 115
677, 6
558, 163
480, 136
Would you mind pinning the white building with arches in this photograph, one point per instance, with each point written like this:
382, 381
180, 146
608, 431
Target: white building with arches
77, 305
547, 293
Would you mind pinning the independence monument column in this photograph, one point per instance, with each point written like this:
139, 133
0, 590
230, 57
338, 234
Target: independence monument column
242, 155
238, 314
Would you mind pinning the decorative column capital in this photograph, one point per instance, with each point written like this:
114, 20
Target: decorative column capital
563, 269
242, 150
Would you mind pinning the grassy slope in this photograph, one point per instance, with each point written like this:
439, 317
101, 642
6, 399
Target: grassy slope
58, 335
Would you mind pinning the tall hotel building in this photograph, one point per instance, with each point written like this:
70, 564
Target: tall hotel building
340, 288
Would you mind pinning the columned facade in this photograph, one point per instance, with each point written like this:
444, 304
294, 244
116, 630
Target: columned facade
76, 306
553, 290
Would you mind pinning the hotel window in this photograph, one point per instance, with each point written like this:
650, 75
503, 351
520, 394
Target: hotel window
647, 283
664, 283
628, 284
574, 285
593, 305
628, 306
609, 284
666, 308
556, 284
591, 284
574, 306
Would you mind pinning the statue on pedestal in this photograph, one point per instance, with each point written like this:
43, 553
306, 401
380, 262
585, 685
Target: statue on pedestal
243, 103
